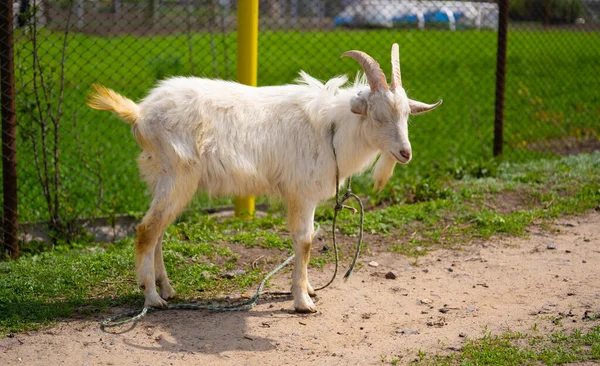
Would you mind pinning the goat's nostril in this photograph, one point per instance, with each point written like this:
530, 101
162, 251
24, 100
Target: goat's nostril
405, 153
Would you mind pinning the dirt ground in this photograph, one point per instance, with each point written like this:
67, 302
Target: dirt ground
433, 305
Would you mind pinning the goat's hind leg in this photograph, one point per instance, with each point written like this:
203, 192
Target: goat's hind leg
144, 256
171, 194
162, 280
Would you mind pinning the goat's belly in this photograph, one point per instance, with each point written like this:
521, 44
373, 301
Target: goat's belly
236, 183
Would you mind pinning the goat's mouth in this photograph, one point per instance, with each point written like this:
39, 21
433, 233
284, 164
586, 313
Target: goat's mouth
401, 161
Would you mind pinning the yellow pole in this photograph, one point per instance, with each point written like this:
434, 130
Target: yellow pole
247, 65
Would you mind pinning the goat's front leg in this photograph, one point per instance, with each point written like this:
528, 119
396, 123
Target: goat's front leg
310, 289
300, 224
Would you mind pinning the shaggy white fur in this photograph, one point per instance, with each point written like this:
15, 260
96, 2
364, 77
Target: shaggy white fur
225, 138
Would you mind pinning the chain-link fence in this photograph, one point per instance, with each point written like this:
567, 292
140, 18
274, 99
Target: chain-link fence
74, 162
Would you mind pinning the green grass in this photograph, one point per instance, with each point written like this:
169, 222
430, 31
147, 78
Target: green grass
55, 282
71, 281
544, 100
515, 348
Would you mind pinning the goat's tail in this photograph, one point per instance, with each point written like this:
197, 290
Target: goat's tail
105, 99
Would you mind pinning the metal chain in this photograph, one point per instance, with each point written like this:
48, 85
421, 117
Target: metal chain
252, 301
237, 306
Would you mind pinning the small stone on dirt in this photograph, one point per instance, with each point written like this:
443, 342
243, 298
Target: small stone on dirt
325, 248
551, 246
425, 270
206, 275
233, 274
455, 348
462, 335
425, 301
391, 275
418, 249
470, 309
407, 331
373, 264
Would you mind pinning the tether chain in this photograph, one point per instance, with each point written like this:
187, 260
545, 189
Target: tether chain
237, 306
253, 300
339, 206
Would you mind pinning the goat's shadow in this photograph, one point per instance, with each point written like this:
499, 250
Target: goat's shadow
207, 332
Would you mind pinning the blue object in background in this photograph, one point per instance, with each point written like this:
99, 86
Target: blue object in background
411, 18
440, 17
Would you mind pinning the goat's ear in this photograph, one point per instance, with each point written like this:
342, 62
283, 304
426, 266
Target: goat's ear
358, 105
419, 107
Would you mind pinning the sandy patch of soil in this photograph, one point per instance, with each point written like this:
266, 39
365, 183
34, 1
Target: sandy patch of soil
434, 304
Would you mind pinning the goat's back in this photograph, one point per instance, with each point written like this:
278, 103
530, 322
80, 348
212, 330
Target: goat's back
241, 140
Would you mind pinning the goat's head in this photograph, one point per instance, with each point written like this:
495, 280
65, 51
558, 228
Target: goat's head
386, 109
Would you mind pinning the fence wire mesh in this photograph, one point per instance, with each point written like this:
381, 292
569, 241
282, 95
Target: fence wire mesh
74, 162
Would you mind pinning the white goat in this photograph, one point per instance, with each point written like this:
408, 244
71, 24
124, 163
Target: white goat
226, 138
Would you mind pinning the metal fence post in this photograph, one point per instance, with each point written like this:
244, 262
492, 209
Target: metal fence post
247, 66
9, 135
500, 76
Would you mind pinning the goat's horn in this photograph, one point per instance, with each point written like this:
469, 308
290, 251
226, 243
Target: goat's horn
375, 76
396, 79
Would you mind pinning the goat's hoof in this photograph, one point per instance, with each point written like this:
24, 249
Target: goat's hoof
155, 301
304, 304
311, 291
305, 310
166, 291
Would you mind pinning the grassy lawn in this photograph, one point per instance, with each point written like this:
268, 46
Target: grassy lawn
545, 99
447, 209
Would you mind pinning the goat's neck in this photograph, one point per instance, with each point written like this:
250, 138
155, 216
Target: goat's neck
354, 153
